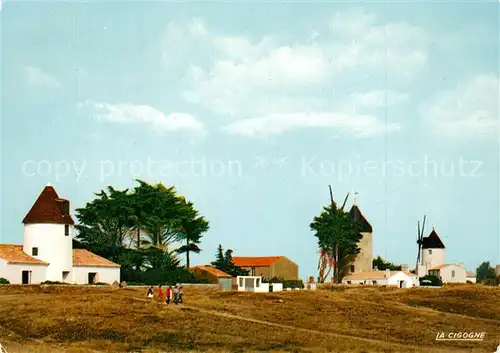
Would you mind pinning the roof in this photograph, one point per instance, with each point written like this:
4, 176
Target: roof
432, 241
374, 274
213, 271
358, 217
49, 208
262, 261
85, 258
470, 274
14, 254
443, 266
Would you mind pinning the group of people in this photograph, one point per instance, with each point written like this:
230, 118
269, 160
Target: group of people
176, 291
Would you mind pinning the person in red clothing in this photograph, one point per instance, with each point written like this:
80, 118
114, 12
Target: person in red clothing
169, 294
160, 293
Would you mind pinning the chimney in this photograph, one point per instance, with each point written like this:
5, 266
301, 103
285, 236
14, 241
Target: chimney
387, 273
497, 270
404, 268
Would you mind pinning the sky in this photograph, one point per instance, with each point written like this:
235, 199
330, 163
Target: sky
251, 109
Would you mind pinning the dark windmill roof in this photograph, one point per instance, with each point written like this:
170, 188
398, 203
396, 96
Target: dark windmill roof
49, 208
432, 241
358, 217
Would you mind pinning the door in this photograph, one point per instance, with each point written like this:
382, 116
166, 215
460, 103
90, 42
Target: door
26, 277
401, 284
92, 277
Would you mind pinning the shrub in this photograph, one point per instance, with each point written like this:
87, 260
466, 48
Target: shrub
54, 282
293, 284
4, 281
101, 284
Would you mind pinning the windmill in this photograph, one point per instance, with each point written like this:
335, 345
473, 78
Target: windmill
420, 241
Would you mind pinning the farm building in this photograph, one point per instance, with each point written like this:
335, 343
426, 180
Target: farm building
449, 273
255, 284
269, 266
383, 278
213, 275
47, 252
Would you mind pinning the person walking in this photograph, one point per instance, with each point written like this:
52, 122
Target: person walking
151, 292
160, 293
181, 293
176, 295
169, 294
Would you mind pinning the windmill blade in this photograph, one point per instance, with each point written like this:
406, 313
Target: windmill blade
423, 227
345, 200
331, 194
418, 232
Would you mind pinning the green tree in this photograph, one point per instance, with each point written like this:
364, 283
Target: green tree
485, 272
338, 238
224, 262
190, 231
135, 228
383, 265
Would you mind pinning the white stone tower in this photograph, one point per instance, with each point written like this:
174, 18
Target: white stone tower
433, 253
48, 234
364, 259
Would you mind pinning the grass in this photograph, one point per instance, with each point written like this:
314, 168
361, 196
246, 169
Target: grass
355, 320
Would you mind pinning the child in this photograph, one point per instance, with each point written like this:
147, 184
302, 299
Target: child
150, 292
176, 295
181, 292
160, 292
169, 294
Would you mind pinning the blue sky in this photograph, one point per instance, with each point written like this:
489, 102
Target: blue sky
252, 109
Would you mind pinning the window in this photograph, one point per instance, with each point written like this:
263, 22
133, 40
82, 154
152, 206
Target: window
66, 229
352, 268
65, 275
374, 282
34, 251
430, 252
453, 274
348, 282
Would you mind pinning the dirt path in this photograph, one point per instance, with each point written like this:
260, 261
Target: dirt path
336, 335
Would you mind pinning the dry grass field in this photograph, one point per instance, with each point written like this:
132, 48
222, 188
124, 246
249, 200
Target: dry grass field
83, 319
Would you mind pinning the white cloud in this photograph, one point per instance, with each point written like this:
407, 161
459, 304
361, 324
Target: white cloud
249, 77
37, 77
378, 98
471, 109
357, 125
127, 113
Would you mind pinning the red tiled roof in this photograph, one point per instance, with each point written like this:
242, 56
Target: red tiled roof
14, 254
83, 257
214, 271
49, 208
262, 261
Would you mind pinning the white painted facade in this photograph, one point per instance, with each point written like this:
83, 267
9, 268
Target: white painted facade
48, 237
432, 257
103, 274
14, 272
383, 278
53, 246
254, 284
450, 273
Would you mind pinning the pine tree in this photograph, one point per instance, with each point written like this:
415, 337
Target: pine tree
219, 262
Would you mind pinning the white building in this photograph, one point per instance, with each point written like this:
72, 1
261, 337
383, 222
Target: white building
383, 278
433, 262
449, 273
47, 253
254, 284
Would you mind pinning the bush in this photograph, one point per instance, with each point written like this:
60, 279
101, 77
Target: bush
4, 281
434, 281
489, 282
293, 284
54, 282
101, 284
